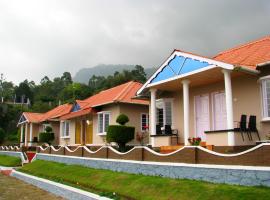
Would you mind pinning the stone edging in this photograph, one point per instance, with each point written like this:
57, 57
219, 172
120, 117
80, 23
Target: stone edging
58, 189
235, 175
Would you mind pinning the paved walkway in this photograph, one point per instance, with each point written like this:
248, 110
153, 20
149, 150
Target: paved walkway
11, 188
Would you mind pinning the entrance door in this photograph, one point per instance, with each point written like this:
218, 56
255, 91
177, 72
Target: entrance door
202, 115
78, 132
219, 111
89, 132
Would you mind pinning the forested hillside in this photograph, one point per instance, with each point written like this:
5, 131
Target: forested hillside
82, 76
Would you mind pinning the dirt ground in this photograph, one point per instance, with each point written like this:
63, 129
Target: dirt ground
11, 188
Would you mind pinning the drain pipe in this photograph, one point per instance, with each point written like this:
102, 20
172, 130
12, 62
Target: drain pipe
246, 70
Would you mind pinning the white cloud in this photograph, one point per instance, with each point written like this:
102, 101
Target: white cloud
48, 37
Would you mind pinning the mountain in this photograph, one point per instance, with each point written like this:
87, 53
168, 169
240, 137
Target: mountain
84, 74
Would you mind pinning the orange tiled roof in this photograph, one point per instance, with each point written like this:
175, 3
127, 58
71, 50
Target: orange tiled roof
57, 112
77, 113
124, 93
249, 55
33, 117
51, 114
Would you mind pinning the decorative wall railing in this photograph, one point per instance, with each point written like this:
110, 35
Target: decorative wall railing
256, 156
10, 148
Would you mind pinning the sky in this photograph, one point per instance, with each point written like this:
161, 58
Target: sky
48, 37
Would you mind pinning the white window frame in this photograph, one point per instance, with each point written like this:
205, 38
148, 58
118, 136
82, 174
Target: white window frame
103, 122
44, 126
265, 114
64, 133
147, 121
164, 100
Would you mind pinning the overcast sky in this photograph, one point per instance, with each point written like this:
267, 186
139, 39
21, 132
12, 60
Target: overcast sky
39, 38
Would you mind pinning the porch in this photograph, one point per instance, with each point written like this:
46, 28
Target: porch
200, 97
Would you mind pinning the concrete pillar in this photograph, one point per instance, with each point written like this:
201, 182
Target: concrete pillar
21, 139
153, 115
229, 105
31, 134
25, 134
186, 110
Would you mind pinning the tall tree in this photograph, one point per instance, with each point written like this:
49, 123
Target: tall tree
66, 78
24, 92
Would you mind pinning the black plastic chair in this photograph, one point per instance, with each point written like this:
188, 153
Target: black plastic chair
168, 130
252, 126
158, 129
242, 127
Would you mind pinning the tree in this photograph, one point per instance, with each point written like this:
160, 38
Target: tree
75, 91
122, 119
47, 136
23, 91
120, 134
2, 135
139, 74
66, 78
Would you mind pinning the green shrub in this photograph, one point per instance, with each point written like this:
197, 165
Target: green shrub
122, 119
2, 135
46, 137
48, 129
120, 134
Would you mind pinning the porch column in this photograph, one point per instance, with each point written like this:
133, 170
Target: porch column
229, 105
25, 134
153, 115
21, 139
31, 134
186, 109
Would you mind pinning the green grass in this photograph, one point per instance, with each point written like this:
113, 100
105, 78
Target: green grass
130, 186
9, 161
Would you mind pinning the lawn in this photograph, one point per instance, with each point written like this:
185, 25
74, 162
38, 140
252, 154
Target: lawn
131, 186
9, 161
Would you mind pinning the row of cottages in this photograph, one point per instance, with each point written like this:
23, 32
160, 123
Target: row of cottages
224, 100
86, 122
31, 124
209, 98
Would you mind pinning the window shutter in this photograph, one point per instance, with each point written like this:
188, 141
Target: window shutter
107, 121
100, 123
168, 113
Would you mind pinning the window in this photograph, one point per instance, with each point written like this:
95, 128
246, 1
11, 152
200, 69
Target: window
266, 97
65, 129
164, 112
45, 126
144, 121
103, 122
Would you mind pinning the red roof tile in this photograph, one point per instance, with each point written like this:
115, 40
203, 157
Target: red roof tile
249, 55
77, 113
57, 112
50, 115
33, 117
124, 93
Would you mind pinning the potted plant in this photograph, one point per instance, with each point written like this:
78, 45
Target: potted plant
195, 141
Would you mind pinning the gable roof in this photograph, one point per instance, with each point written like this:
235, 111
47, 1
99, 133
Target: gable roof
50, 115
124, 93
33, 117
57, 112
181, 64
250, 54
